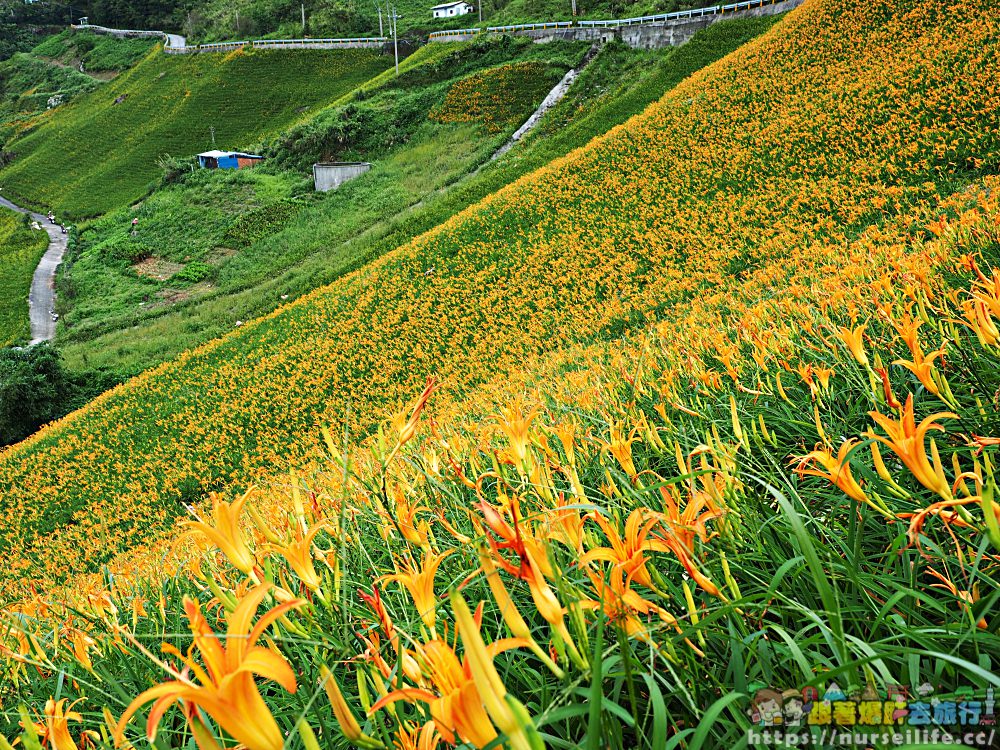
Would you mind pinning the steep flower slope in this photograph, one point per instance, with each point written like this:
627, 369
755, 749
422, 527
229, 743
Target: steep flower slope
845, 115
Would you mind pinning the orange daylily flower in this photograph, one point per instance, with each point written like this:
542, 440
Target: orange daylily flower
683, 526
854, 341
299, 554
404, 424
966, 598
620, 446
450, 693
516, 426
624, 606
836, 469
426, 737
225, 533
225, 688
628, 552
420, 583
906, 439
923, 367
54, 730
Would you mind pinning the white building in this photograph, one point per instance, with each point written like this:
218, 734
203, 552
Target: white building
447, 10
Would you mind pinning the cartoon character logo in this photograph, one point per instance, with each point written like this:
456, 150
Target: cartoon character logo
765, 708
794, 708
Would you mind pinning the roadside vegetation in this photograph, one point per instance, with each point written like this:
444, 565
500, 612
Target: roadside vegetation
21, 248
705, 406
97, 53
217, 20
36, 389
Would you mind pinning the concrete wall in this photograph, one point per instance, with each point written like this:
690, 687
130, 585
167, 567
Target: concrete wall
648, 35
331, 176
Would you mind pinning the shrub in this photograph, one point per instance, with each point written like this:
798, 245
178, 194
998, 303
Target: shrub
193, 273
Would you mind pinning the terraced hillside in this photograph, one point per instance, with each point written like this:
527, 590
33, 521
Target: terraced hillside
730, 172
103, 150
715, 427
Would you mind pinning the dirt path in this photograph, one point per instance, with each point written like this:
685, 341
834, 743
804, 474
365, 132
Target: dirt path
42, 298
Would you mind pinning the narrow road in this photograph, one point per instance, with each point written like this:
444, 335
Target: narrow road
175, 41
42, 299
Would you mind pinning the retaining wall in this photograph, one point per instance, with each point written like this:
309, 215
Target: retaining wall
649, 32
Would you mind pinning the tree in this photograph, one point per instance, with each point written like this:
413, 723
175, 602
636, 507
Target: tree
32, 383
35, 389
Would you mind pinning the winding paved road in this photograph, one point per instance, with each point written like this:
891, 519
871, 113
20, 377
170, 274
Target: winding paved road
42, 299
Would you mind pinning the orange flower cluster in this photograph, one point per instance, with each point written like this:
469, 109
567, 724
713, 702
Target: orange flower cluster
630, 340
497, 98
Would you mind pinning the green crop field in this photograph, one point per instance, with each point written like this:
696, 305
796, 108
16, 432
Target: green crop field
20, 250
97, 154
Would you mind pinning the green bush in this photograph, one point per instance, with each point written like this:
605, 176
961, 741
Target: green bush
35, 389
193, 273
123, 248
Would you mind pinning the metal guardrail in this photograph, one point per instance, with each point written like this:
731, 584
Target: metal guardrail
529, 26
316, 42
680, 14
455, 32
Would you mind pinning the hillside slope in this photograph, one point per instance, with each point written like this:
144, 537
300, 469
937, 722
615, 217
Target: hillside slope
839, 118
410, 190
102, 150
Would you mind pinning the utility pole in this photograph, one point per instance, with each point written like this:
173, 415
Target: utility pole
378, 7
212, 129
237, 24
395, 38
303, 19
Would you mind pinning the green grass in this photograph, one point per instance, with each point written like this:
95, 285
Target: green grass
95, 155
20, 250
98, 53
375, 214
27, 84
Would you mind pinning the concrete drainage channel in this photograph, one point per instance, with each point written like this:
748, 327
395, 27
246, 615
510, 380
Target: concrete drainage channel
552, 99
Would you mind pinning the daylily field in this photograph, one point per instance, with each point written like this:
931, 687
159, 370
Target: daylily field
707, 406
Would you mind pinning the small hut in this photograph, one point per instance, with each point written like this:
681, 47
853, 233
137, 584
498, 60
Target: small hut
227, 160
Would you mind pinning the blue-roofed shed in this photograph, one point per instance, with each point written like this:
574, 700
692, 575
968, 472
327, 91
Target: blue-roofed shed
227, 160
